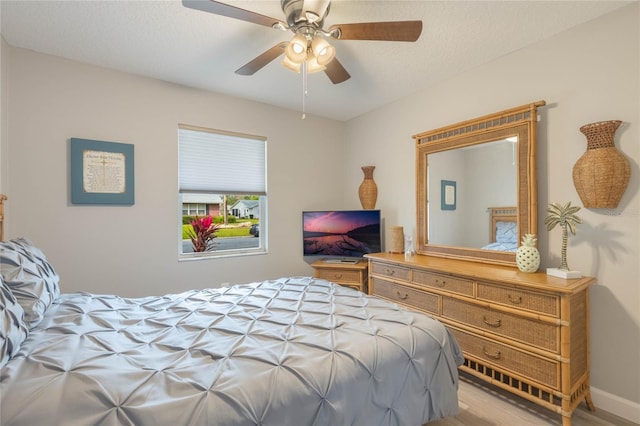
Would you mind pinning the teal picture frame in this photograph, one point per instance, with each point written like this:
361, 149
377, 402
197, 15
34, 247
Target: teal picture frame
101, 172
448, 195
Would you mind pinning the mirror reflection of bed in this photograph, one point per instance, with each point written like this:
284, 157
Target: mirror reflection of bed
503, 225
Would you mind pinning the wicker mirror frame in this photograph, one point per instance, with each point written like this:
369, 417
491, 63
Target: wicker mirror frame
520, 122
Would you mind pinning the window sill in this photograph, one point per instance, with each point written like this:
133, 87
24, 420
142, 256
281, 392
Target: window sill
190, 257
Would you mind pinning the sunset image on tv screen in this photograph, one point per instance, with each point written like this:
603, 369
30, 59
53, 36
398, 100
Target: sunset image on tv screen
341, 233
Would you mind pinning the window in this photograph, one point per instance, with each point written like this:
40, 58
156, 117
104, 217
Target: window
190, 209
222, 175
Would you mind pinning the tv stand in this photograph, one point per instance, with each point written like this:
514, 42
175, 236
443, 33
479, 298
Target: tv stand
347, 273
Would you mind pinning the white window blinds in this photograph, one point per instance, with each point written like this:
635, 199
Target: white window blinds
221, 163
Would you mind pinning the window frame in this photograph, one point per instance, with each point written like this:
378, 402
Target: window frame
262, 203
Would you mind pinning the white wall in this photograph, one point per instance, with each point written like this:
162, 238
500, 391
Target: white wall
133, 250
590, 73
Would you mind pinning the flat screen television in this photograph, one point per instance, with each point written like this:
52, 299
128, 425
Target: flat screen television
341, 234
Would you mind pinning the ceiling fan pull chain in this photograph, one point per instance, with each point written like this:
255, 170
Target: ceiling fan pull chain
304, 89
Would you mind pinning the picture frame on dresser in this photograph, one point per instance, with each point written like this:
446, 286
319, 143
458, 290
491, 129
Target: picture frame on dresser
101, 172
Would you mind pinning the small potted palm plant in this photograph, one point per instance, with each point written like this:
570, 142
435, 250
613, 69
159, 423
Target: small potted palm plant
565, 216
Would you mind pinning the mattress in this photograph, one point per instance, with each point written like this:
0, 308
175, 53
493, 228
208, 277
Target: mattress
293, 351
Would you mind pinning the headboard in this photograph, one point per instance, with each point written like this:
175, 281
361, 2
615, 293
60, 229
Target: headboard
501, 214
2, 198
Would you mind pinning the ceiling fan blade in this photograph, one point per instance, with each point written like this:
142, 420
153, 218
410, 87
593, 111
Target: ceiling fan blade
336, 72
229, 11
385, 31
262, 60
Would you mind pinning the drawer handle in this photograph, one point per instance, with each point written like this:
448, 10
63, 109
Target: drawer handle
402, 296
515, 301
390, 271
337, 275
495, 355
441, 283
497, 323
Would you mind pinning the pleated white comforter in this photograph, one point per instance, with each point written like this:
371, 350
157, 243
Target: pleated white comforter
295, 351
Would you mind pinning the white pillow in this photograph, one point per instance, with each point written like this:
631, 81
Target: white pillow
31, 279
13, 330
506, 232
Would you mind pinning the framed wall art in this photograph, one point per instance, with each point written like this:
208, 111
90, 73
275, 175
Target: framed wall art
101, 172
448, 195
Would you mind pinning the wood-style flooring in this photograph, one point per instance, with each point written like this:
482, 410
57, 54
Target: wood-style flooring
485, 405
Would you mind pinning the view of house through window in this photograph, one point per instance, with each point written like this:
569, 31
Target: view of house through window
239, 229
222, 192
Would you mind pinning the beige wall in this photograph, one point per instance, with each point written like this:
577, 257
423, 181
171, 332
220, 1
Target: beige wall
587, 74
4, 116
133, 250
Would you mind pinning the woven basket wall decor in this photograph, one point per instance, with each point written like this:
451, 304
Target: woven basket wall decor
368, 190
602, 173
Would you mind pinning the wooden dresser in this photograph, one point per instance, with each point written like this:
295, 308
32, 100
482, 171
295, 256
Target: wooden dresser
348, 274
526, 333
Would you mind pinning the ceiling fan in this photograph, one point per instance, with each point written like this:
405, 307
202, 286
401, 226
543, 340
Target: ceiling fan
309, 50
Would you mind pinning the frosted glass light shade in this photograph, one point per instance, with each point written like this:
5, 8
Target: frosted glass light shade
323, 51
296, 50
288, 63
313, 65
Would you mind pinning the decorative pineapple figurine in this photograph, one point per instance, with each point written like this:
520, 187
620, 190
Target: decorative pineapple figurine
527, 255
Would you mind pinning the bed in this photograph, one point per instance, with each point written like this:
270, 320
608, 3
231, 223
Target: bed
289, 351
503, 229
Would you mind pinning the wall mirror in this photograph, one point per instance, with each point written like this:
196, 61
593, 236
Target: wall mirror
476, 186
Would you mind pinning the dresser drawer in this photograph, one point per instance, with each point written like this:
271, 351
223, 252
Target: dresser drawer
443, 282
339, 275
520, 299
407, 296
530, 332
391, 271
542, 370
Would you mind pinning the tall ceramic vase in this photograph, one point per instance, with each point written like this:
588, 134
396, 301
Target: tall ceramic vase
368, 190
602, 174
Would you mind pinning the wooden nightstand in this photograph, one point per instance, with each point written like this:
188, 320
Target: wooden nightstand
348, 274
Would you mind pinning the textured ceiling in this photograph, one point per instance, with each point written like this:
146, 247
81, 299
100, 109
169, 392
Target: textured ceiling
165, 40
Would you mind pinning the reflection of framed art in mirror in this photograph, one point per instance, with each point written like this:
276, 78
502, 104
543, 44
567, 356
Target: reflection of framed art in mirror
447, 195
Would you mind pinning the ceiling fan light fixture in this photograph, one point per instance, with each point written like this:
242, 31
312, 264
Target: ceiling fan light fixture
313, 65
288, 63
322, 50
296, 50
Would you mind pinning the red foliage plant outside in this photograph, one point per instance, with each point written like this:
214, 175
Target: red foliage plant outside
203, 233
